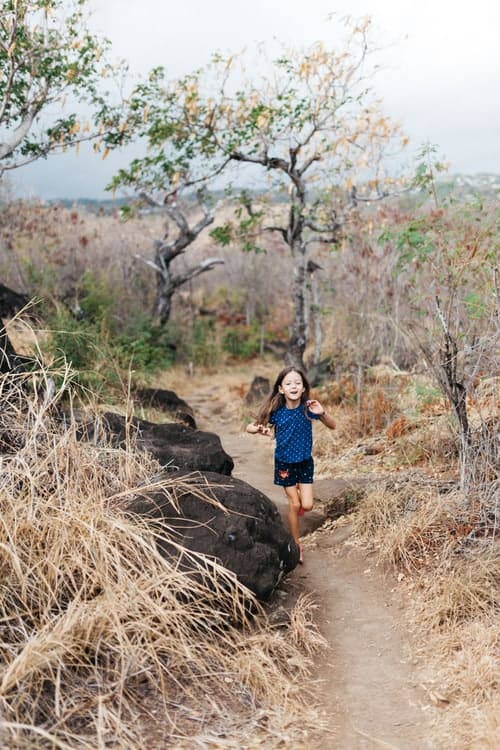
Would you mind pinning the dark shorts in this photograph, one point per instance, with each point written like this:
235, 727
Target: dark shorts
287, 475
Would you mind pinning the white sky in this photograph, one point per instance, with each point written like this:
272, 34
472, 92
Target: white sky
441, 78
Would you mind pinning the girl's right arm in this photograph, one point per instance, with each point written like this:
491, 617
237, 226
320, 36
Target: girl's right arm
254, 429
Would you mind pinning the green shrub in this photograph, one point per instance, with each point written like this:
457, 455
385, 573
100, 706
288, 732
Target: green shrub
84, 345
242, 342
201, 347
97, 298
146, 346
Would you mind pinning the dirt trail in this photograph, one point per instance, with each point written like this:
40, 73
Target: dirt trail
368, 682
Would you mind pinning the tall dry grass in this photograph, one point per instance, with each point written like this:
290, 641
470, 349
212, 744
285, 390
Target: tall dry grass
104, 643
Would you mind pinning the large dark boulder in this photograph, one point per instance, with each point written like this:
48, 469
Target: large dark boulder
166, 401
246, 535
173, 445
11, 302
9, 359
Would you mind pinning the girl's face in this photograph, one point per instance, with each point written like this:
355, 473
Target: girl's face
292, 387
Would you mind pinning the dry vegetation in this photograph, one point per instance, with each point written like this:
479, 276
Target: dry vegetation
95, 648
441, 541
104, 642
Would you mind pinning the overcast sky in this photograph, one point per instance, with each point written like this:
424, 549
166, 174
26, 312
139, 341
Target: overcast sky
441, 76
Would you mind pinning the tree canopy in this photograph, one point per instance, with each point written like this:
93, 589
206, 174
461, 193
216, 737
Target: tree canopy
304, 126
49, 58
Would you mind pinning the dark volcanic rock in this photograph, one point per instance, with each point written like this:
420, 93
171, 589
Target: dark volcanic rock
247, 536
169, 402
173, 445
11, 302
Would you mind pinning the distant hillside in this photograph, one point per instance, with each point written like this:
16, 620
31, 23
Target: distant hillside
464, 187
467, 187
92, 205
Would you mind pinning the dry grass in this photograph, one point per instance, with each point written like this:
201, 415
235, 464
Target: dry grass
411, 528
457, 616
444, 545
104, 642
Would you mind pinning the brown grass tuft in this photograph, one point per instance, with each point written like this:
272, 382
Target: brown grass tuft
461, 590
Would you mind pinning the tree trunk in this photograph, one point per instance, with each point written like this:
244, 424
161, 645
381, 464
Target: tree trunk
315, 307
164, 293
167, 283
298, 333
455, 390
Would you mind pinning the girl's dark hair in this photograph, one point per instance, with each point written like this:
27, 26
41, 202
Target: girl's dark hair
276, 400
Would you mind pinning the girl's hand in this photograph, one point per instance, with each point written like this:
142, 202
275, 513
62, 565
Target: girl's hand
265, 430
255, 429
315, 407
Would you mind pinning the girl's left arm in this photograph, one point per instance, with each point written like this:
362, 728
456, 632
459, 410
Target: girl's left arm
315, 407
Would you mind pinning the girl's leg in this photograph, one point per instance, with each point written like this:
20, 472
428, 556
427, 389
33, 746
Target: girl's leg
292, 494
305, 492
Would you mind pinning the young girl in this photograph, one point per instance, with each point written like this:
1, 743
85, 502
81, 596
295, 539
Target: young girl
289, 409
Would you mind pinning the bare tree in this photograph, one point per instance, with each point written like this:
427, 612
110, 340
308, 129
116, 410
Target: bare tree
166, 251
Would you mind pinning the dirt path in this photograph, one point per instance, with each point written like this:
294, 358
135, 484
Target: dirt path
368, 682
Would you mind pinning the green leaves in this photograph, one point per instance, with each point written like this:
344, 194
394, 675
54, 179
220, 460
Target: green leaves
302, 112
223, 234
475, 305
46, 56
412, 241
428, 167
449, 253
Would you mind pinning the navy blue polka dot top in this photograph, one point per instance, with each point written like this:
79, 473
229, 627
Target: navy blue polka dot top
293, 434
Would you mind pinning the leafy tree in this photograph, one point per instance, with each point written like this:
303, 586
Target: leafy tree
48, 57
305, 129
